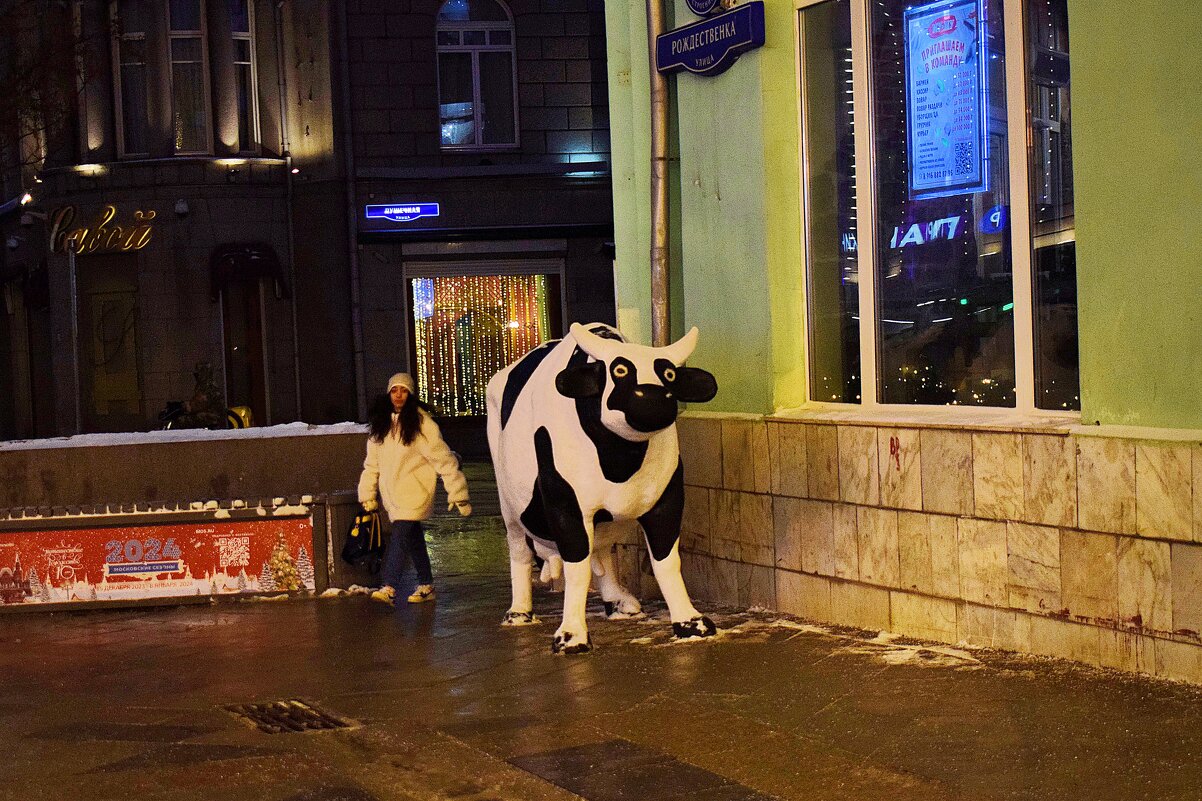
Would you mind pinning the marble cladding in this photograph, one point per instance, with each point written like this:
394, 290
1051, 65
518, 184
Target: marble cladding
1075, 546
1101, 484
1163, 491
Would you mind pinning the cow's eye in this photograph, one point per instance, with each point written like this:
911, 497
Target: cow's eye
621, 371
669, 375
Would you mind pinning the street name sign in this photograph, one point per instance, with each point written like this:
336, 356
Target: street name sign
402, 212
710, 46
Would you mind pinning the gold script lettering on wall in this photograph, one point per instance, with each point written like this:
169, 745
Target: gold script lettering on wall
100, 236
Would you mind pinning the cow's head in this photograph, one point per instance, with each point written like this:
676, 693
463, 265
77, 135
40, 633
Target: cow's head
638, 387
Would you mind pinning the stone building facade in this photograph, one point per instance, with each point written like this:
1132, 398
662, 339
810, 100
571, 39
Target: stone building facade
204, 195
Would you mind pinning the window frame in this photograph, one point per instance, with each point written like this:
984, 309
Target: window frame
203, 35
475, 50
249, 36
1018, 126
118, 38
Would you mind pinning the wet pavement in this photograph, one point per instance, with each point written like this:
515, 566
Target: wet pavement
439, 702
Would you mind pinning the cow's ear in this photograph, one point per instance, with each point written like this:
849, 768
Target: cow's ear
582, 381
694, 385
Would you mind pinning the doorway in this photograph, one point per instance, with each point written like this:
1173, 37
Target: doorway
109, 375
245, 350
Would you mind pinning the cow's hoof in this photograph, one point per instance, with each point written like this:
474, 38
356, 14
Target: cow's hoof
568, 643
520, 619
700, 626
622, 609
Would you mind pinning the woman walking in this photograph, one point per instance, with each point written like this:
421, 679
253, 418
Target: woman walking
405, 456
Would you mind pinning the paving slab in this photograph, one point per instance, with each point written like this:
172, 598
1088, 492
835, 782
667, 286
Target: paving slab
441, 702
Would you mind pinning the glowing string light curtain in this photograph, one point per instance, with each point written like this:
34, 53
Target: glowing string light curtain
466, 328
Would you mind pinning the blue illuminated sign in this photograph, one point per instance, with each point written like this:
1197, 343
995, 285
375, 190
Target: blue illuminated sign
402, 212
710, 46
945, 104
994, 221
702, 8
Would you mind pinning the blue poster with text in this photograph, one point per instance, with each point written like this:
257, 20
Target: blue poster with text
945, 102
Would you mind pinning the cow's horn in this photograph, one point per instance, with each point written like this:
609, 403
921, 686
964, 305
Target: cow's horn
599, 348
680, 350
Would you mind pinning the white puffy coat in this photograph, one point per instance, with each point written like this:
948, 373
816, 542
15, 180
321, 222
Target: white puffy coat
406, 474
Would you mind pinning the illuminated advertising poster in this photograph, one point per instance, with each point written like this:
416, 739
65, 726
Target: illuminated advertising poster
945, 106
122, 563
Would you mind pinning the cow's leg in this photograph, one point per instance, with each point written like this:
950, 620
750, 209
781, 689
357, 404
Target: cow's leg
661, 525
521, 610
619, 603
572, 636
573, 534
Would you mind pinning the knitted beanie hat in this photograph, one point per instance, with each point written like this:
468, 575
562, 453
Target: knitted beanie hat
402, 380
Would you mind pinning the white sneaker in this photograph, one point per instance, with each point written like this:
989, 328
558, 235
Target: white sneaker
423, 593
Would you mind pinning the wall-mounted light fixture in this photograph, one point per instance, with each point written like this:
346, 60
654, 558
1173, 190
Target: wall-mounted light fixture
91, 170
29, 215
26, 199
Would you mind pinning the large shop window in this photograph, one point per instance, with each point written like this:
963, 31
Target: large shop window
934, 275
466, 328
477, 76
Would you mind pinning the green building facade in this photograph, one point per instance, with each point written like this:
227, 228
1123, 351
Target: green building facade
1019, 462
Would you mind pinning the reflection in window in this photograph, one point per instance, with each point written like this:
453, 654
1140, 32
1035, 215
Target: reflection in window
466, 328
1057, 377
188, 76
131, 85
476, 75
830, 202
244, 72
945, 326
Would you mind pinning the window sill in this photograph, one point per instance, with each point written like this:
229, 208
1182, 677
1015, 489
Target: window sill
940, 417
163, 160
1006, 421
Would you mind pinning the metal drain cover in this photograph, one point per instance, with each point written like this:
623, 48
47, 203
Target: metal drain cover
278, 717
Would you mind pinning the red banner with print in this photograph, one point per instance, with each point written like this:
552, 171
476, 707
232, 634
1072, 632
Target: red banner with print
118, 563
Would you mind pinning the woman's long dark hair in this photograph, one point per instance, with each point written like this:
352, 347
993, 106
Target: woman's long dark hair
379, 418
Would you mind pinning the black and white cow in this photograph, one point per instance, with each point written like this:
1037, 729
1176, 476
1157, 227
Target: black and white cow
583, 433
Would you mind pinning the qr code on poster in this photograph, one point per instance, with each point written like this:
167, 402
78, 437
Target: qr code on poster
233, 551
965, 156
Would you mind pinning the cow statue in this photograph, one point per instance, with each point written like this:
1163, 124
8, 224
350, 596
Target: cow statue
583, 433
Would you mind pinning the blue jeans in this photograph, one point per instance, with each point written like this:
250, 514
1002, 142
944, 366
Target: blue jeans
408, 541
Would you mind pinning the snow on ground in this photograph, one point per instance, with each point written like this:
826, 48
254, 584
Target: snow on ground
182, 435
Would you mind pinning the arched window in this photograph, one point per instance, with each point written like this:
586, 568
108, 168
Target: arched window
477, 76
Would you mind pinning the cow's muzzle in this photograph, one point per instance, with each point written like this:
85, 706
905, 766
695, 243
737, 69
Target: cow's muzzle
650, 408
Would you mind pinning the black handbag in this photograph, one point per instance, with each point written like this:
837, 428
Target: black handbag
365, 542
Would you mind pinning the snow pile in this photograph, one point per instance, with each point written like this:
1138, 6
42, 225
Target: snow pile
182, 435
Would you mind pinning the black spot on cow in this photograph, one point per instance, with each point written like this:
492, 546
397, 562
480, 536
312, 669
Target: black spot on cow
563, 519
661, 523
647, 407
534, 517
605, 332
700, 626
519, 375
619, 458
